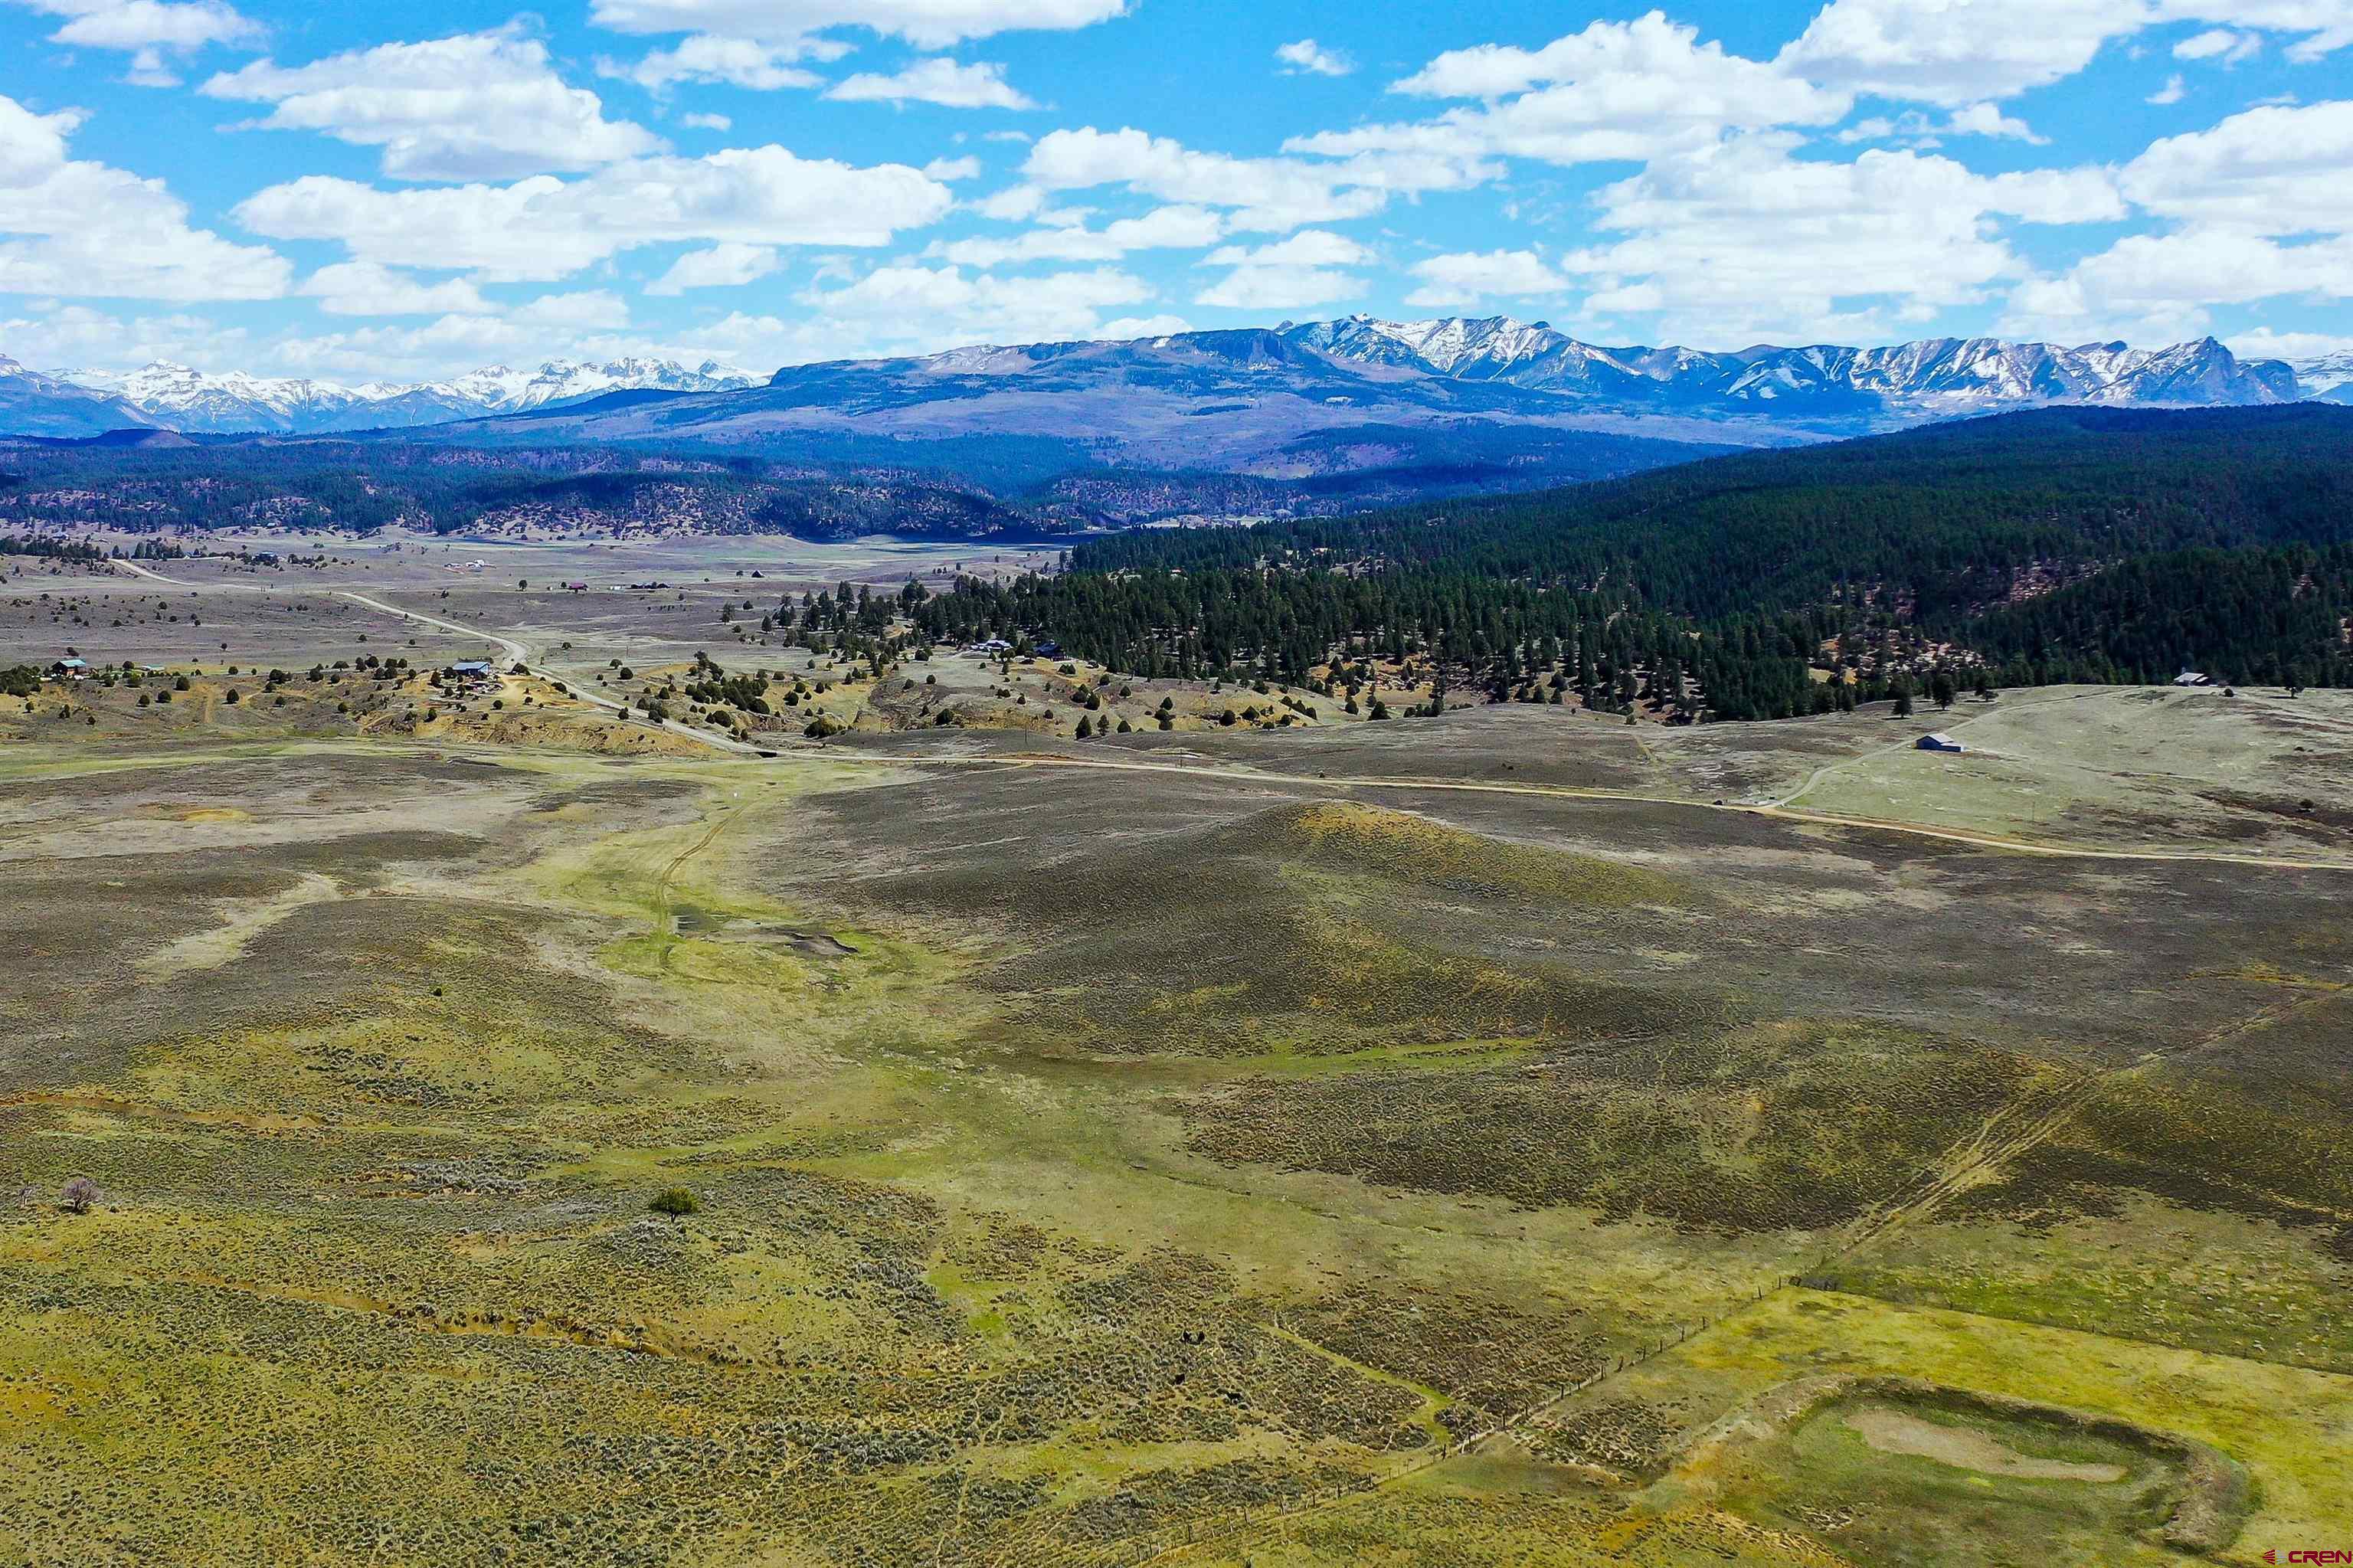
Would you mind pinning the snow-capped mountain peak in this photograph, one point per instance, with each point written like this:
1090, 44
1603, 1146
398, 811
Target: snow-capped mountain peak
2328, 376
192, 399
1931, 378
500, 389
233, 401
1450, 343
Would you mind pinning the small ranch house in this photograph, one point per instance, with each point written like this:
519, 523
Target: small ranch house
1940, 742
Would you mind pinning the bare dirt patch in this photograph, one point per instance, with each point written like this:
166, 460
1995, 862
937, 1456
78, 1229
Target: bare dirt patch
1891, 1431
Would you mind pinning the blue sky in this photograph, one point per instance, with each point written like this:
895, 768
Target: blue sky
370, 192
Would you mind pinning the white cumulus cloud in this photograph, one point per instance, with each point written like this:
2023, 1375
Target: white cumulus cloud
2219, 44
365, 289
153, 32
2164, 286
1954, 52
1988, 120
720, 267
926, 24
1267, 194
1165, 229
2260, 210
711, 59
597, 309
2275, 171
1308, 58
1127, 328
1615, 92
76, 336
82, 229
937, 79
1293, 273
1745, 240
917, 309
2263, 342
546, 228
1922, 130
478, 106
1466, 278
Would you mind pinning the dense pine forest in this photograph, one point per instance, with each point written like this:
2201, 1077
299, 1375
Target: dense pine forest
2058, 544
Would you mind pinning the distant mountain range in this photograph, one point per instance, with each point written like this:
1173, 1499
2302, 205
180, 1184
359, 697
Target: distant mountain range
1294, 421
1933, 378
170, 396
1334, 414
1427, 402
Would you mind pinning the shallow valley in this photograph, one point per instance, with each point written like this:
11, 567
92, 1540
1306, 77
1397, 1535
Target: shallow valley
1449, 1139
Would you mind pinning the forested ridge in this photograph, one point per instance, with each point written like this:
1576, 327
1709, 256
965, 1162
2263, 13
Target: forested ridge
2055, 545
363, 486
535, 473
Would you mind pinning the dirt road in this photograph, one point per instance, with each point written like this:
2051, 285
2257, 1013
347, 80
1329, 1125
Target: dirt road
1778, 806
1785, 813
515, 651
